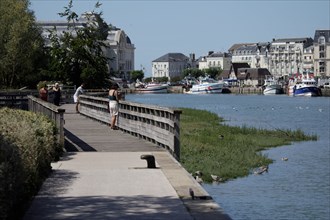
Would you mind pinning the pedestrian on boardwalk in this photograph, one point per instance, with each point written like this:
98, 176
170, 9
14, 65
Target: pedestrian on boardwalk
57, 94
113, 105
79, 91
43, 93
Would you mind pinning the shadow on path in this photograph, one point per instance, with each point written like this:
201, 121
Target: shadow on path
106, 207
74, 143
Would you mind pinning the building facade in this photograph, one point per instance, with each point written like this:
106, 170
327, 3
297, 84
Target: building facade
322, 53
286, 56
120, 53
119, 50
256, 55
308, 60
170, 65
215, 60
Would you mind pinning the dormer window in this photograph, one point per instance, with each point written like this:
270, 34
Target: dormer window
322, 40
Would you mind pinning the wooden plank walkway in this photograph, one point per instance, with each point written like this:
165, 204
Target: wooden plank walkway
103, 177
84, 134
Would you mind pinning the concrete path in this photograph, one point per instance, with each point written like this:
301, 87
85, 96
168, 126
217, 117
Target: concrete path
102, 177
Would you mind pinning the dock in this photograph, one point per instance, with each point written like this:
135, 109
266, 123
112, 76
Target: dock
101, 176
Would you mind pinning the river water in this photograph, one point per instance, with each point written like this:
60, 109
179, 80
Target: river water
296, 189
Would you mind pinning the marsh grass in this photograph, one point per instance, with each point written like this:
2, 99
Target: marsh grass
230, 152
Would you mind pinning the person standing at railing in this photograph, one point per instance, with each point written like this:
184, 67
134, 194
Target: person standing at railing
57, 94
79, 91
113, 105
43, 93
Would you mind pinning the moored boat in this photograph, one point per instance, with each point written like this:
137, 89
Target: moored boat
272, 87
307, 87
206, 85
152, 88
304, 86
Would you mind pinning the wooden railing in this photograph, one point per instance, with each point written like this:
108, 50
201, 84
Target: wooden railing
51, 111
15, 99
156, 124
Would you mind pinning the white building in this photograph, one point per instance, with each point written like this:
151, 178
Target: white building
256, 55
322, 53
170, 65
120, 50
308, 60
215, 60
286, 56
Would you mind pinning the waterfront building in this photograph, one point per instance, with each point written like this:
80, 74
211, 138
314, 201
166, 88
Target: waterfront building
215, 60
119, 50
286, 56
322, 53
170, 65
252, 76
232, 72
256, 55
308, 60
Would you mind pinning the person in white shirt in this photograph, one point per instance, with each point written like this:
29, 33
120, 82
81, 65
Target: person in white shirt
79, 91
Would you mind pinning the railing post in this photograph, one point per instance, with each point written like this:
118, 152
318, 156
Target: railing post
60, 126
176, 120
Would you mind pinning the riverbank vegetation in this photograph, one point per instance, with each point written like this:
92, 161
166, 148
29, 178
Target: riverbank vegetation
210, 146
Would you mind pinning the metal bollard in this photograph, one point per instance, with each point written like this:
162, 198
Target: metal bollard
150, 160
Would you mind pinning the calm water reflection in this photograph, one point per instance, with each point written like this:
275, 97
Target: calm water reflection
295, 189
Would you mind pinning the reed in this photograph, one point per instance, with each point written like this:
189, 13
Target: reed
210, 146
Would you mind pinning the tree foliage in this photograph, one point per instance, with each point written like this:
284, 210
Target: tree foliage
137, 74
193, 72
21, 45
77, 54
213, 72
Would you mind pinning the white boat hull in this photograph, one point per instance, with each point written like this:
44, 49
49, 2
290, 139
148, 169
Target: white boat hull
212, 88
273, 90
152, 89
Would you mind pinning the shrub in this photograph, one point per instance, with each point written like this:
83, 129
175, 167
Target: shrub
27, 148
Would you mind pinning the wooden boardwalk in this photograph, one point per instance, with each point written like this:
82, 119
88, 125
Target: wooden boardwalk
103, 177
84, 134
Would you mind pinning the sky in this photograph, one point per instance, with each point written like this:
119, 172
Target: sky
158, 27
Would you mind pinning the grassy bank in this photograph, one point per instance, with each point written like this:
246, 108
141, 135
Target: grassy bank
210, 146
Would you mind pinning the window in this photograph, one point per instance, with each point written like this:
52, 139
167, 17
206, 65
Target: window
321, 48
322, 40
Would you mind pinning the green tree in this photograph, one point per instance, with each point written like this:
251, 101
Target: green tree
137, 74
21, 45
194, 72
213, 72
77, 56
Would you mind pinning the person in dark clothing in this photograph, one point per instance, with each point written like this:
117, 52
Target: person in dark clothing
57, 94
